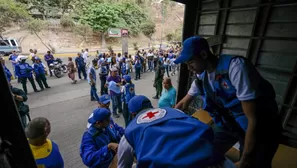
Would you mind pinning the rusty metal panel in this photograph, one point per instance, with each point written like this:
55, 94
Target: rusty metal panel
210, 4
239, 16
234, 52
239, 30
244, 2
284, 14
206, 30
236, 43
280, 46
282, 30
276, 60
208, 18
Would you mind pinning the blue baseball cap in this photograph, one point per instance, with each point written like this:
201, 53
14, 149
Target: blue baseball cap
137, 103
191, 46
104, 99
99, 114
127, 78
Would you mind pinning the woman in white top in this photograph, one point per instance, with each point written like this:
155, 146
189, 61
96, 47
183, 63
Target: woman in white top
166, 62
129, 64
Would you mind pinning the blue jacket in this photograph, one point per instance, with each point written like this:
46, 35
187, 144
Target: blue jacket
94, 151
23, 70
169, 138
226, 94
123, 68
7, 73
137, 64
38, 69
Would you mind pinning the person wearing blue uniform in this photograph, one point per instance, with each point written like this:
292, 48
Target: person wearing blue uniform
45, 151
240, 101
6, 70
24, 71
13, 58
137, 67
49, 58
100, 141
166, 137
103, 72
81, 66
128, 92
39, 72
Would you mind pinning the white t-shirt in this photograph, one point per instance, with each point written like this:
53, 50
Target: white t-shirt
85, 56
128, 62
166, 61
244, 77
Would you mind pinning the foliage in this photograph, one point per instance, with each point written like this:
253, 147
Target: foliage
148, 29
11, 12
100, 16
169, 36
82, 30
46, 7
135, 46
35, 25
66, 21
110, 49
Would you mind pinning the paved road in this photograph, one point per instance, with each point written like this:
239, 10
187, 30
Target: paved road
68, 106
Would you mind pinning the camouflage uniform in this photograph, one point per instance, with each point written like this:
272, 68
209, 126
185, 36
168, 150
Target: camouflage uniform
159, 74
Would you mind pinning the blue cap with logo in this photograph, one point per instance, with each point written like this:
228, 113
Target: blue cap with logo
137, 103
192, 46
99, 114
104, 99
127, 78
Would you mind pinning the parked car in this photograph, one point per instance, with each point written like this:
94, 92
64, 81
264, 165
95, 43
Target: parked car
7, 45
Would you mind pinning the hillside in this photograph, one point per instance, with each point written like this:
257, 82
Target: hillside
64, 40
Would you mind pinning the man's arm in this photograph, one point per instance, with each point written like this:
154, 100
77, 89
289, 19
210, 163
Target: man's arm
245, 78
185, 102
120, 129
125, 154
92, 155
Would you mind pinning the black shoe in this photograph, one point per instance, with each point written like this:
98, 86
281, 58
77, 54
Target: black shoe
48, 87
120, 112
93, 99
155, 97
116, 116
36, 91
42, 89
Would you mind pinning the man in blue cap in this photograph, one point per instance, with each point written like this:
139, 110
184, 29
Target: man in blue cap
166, 137
240, 101
100, 141
103, 102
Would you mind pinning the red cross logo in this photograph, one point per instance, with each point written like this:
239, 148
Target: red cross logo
150, 115
225, 85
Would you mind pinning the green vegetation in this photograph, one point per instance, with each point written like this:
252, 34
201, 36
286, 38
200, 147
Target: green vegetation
11, 13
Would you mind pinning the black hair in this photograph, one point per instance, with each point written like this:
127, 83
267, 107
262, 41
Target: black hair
36, 128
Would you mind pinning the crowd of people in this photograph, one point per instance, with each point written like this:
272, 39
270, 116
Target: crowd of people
239, 100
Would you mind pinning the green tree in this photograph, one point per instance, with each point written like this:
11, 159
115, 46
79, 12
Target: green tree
148, 29
46, 7
101, 17
169, 36
11, 13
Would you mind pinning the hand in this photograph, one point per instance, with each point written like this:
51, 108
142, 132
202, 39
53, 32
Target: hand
118, 84
113, 146
180, 105
237, 164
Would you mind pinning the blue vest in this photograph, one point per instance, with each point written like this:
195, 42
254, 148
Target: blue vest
137, 64
225, 94
169, 138
51, 160
38, 69
130, 92
25, 70
123, 68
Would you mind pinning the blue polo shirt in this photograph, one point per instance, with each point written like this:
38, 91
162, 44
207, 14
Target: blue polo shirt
168, 98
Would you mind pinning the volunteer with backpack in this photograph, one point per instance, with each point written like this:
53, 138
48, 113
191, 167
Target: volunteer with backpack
240, 101
166, 137
100, 141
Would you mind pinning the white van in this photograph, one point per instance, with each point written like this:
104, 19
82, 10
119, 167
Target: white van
7, 45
